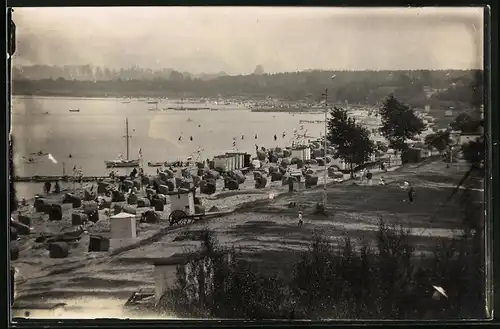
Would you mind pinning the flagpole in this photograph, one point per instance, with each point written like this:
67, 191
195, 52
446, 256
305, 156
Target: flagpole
141, 159
74, 178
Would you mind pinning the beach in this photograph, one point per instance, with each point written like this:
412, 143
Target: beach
259, 221
265, 228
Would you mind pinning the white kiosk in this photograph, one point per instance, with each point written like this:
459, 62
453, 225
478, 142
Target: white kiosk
123, 230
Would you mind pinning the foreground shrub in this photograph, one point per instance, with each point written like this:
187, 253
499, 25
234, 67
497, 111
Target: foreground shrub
338, 279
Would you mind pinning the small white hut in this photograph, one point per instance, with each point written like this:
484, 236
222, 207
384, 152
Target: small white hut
123, 230
123, 226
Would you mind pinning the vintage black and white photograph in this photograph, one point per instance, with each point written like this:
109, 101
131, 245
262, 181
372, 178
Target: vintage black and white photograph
248, 163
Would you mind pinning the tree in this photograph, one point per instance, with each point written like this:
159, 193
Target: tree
259, 70
399, 123
466, 123
474, 153
381, 147
351, 140
440, 140
477, 90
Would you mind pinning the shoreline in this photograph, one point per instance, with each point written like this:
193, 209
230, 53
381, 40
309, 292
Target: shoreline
141, 99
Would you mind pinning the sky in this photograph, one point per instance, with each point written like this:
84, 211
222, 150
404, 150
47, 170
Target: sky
236, 39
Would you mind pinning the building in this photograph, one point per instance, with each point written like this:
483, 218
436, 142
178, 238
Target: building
302, 152
239, 159
466, 138
339, 163
455, 137
222, 162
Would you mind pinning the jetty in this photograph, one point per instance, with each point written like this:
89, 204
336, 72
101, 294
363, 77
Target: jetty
43, 179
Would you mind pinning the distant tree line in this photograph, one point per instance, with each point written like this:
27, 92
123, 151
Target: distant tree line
443, 89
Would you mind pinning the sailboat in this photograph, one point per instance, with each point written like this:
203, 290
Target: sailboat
154, 108
123, 163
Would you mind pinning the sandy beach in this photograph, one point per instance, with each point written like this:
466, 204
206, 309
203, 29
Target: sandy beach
264, 228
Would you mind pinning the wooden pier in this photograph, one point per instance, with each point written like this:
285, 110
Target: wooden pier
43, 179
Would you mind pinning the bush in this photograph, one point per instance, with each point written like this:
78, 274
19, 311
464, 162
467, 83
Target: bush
338, 280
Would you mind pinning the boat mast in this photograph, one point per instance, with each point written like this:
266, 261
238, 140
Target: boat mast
127, 136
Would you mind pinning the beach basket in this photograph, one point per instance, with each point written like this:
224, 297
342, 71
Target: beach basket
78, 219
199, 209
117, 196
98, 244
132, 199
26, 220
208, 186
261, 182
129, 210
143, 203
117, 209
55, 212
151, 217
58, 250
311, 181
196, 180
276, 176
14, 250
159, 205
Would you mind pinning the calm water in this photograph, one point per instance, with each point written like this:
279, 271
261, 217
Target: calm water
96, 133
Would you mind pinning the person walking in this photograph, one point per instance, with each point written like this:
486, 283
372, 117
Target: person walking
411, 193
363, 176
46, 187
301, 221
57, 188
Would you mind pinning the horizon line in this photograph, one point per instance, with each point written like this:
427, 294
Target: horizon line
266, 73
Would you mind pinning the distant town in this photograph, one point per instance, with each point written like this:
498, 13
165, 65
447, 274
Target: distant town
446, 89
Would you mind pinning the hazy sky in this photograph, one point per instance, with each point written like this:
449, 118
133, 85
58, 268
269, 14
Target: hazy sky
236, 39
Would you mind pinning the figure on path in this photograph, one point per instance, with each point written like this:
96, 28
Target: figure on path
363, 176
411, 193
369, 177
57, 188
46, 187
301, 221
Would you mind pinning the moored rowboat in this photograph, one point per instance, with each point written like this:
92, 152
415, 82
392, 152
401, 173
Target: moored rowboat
156, 164
122, 163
